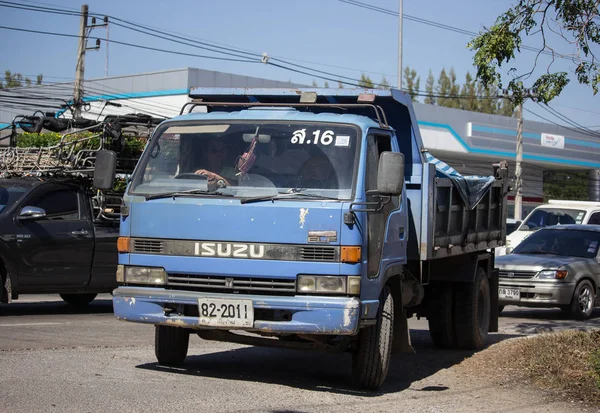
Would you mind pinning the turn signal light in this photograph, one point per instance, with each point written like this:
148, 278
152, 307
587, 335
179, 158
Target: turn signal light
561, 274
351, 255
123, 244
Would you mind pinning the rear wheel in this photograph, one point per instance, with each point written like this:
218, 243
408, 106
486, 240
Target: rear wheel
371, 358
78, 300
582, 303
441, 317
472, 312
171, 345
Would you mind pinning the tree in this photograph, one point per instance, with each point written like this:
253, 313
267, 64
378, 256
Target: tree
314, 84
340, 85
443, 89
429, 99
413, 83
366, 82
16, 80
384, 84
468, 94
326, 84
574, 21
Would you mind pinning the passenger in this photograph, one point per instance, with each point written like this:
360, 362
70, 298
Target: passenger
213, 161
318, 172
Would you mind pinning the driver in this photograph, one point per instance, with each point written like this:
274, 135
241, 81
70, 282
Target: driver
214, 161
317, 172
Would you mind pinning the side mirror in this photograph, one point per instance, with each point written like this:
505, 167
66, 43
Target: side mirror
390, 173
104, 170
31, 212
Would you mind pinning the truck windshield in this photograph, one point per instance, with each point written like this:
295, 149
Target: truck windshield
543, 217
10, 194
249, 159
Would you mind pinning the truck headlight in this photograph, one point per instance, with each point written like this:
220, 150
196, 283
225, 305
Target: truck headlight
552, 274
328, 284
141, 275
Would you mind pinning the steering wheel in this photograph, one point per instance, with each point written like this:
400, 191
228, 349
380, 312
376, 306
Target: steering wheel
190, 175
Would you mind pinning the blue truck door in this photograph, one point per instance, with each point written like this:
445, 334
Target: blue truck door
387, 230
56, 251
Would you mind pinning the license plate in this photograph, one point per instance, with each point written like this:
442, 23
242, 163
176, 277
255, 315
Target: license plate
513, 294
220, 312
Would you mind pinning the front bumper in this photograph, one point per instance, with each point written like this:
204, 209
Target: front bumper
538, 293
309, 314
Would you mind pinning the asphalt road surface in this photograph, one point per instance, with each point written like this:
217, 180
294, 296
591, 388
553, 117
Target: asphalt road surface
53, 358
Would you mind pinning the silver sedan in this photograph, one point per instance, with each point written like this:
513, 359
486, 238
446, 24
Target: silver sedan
557, 266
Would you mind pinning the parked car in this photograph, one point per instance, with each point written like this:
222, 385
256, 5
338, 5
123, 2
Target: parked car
51, 241
555, 212
511, 225
557, 266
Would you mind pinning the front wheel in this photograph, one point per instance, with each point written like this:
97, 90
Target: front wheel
582, 303
78, 300
171, 345
371, 358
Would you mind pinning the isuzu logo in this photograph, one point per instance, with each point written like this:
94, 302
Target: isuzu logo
229, 250
510, 274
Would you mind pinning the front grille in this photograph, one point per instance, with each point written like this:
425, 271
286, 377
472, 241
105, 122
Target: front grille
147, 246
232, 285
317, 253
518, 274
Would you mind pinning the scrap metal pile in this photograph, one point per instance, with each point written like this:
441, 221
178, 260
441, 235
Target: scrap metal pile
74, 153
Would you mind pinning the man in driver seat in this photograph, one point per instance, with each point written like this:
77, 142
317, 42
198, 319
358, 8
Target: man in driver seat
213, 163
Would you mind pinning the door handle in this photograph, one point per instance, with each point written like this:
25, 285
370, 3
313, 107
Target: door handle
80, 232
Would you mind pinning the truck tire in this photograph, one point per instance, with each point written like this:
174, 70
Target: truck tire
472, 309
78, 300
441, 316
171, 345
371, 358
582, 303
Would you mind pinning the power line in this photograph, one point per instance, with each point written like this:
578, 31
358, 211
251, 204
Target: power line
575, 126
127, 44
441, 25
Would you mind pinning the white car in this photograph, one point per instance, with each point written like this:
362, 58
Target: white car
553, 213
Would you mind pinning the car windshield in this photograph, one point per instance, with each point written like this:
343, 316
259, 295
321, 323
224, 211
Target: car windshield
10, 194
567, 242
545, 217
249, 159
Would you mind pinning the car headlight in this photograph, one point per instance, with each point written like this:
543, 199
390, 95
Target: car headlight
141, 275
328, 284
552, 274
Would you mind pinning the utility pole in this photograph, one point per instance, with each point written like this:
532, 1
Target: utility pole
400, 45
80, 68
107, 41
519, 168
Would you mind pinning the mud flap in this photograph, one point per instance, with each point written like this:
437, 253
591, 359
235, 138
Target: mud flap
401, 338
494, 310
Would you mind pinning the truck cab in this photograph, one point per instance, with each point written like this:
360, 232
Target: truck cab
308, 220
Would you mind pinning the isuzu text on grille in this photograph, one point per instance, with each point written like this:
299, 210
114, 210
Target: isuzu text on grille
219, 249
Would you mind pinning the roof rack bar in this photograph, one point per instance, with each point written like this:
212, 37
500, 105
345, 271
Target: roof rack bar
378, 110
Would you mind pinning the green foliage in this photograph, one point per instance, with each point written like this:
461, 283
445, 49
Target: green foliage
384, 84
326, 84
366, 82
412, 83
565, 185
429, 84
16, 80
575, 21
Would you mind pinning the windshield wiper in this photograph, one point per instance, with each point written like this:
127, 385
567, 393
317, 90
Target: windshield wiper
184, 193
283, 195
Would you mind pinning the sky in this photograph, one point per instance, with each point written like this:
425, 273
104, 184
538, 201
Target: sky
328, 35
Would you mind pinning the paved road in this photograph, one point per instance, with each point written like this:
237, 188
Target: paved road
56, 359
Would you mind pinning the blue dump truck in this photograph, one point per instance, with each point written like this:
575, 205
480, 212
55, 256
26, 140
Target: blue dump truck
305, 219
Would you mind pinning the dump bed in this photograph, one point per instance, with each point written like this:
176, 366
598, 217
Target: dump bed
441, 224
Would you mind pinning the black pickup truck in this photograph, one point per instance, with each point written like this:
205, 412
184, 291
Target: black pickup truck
52, 242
